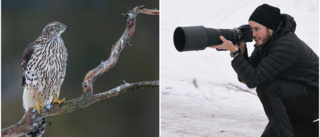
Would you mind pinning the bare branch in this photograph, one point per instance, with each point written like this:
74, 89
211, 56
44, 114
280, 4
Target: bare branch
93, 74
31, 121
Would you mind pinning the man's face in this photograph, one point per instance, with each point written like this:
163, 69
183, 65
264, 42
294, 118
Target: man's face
261, 34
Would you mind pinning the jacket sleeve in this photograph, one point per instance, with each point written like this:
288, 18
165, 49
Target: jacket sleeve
282, 56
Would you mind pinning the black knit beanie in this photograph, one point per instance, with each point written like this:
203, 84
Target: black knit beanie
267, 16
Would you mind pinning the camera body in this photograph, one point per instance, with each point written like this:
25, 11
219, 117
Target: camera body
198, 37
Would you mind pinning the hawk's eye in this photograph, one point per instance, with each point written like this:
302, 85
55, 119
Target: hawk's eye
57, 26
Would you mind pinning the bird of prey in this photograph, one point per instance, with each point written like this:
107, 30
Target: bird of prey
44, 64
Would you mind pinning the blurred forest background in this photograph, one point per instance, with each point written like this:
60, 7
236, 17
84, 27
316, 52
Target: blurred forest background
94, 26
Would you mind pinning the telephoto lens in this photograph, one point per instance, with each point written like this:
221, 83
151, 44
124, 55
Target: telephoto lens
198, 37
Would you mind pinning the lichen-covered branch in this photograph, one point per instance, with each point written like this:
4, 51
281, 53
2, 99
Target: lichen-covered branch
31, 121
117, 47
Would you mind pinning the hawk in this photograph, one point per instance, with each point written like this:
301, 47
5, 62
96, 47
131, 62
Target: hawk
44, 64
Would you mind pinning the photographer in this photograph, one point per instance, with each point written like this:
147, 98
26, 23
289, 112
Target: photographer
285, 71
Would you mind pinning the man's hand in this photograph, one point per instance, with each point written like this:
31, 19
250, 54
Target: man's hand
226, 44
242, 47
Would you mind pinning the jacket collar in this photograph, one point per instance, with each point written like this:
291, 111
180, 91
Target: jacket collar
287, 24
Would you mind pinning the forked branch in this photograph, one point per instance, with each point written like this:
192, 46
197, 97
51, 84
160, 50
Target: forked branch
117, 47
31, 121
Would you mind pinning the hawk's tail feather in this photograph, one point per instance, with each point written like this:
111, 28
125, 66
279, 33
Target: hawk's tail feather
37, 133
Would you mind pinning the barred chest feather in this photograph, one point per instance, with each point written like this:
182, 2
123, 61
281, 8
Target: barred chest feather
45, 72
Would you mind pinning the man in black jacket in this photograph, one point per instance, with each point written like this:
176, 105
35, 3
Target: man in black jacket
285, 71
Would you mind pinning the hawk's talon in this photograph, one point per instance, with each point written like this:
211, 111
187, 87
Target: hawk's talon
62, 100
46, 108
55, 100
38, 106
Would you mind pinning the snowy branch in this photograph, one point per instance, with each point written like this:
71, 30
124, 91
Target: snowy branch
31, 121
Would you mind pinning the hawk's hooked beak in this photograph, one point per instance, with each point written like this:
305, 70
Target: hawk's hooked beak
65, 27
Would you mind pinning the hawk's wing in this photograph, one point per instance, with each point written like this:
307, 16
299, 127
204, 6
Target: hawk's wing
26, 55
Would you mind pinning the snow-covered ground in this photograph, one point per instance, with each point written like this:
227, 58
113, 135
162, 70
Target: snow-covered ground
200, 94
